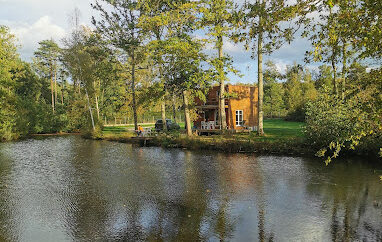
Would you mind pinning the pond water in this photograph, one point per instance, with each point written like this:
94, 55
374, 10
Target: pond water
71, 189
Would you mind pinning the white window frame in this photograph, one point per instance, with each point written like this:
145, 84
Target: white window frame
239, 118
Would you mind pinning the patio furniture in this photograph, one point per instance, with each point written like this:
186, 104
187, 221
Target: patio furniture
211, 125
204, 125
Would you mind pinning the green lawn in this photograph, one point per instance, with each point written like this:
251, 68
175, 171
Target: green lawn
115, 129
278, 128
130, 127
121, 129
280, 137
274, 129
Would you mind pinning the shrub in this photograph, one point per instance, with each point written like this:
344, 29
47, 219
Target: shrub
333, 124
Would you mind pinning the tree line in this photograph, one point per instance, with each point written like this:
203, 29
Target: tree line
148, 55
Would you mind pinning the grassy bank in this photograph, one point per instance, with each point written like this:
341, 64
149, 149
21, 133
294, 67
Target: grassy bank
129, 128
281, 137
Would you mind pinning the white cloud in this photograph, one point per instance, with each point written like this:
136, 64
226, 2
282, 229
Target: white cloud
30, 34
36, 20
281, 66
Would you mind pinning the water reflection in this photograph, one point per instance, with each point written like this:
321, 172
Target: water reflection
65, 189
354, 201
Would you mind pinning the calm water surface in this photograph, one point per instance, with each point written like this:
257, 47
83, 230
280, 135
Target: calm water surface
70, 189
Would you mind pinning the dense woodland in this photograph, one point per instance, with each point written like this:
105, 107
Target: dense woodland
147, 58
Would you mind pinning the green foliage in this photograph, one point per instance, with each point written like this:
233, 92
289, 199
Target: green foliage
10, 69
144, 50
325, 78
299, 89
275, 20
46, 58
365, 27
334, 124
274, 105
273, 100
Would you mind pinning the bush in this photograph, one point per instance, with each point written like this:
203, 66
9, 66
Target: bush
333, 124
298, 115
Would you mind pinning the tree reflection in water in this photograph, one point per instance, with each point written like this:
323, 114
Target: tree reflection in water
75, 189
352, 198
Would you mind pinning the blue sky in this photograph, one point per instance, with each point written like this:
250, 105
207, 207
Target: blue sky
35, 20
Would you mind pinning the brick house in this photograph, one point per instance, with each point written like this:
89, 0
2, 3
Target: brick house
240, 108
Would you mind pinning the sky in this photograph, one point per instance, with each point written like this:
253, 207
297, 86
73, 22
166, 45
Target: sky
35, 20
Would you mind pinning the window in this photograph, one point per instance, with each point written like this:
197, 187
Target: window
239, 117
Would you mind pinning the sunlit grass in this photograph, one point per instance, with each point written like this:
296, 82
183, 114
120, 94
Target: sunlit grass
129, 128
280, 129
275, 129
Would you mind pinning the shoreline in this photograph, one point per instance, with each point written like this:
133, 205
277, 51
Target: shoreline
293, 147
54, 134
281, 147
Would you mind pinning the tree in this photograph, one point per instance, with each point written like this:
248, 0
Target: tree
160, 20
334, 125
324, 78
299, 89
265, 22
337, 122
330, 36
308, 88
10, 67
46, 59
218, 19
365, 27
119, 24
294, 96
184, 67
273, 91
85, 61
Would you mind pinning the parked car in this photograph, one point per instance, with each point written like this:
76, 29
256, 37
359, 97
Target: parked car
170, 125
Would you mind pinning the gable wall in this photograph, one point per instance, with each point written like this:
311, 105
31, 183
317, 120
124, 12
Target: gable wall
245, 100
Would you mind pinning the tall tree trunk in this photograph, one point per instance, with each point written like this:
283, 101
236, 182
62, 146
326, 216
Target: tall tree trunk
103, 97
51, 88
96, 99
97, 106
344, 69
335, 86
163, 101
163, 112
90, 109
222, 114
174, 106
187, 113
55, 85
133, 91
260, 113
62, 93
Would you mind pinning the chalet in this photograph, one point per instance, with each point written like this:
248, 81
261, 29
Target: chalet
240, 108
